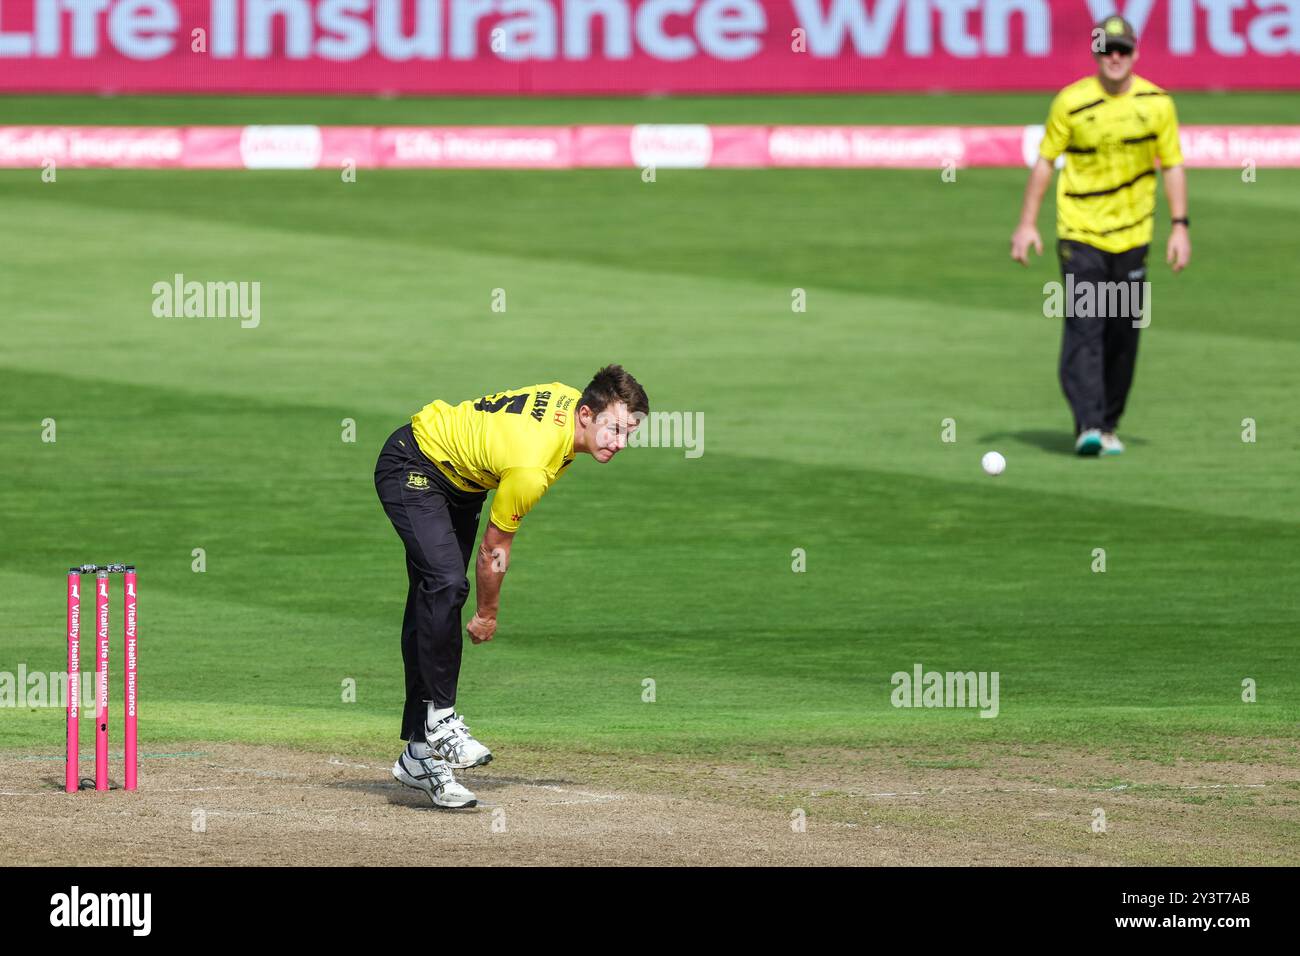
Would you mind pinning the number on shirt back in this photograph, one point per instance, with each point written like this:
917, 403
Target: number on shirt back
513, 404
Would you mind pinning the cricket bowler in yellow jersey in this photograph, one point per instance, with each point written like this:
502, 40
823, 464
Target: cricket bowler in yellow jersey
1112, 127
432, 477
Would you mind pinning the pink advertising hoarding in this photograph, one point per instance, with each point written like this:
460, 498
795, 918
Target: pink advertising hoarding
569, 147
627, 46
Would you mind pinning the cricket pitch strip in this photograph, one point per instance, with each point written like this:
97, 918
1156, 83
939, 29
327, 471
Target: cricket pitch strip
223, 804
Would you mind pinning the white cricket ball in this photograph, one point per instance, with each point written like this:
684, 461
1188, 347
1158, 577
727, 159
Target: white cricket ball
994, 463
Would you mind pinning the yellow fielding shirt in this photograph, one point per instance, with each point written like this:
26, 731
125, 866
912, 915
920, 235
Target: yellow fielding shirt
1106, 194
517, 441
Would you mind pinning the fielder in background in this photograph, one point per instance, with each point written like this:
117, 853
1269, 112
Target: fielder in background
432, 476
1112, 127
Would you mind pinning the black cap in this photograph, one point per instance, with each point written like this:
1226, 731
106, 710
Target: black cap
1113, 33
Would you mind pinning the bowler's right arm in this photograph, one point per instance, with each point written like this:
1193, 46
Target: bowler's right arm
489, 570
1026, 234
1056, 137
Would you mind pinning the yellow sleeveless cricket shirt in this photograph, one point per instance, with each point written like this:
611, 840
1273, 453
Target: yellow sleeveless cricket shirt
517, 441
1106, 194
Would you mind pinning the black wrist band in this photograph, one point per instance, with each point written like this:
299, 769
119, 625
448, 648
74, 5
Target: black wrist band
1181, 221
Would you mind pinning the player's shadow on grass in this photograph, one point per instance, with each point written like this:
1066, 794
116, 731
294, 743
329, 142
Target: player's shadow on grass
1056, 441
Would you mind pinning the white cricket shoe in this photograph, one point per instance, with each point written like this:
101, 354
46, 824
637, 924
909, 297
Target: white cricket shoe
1088, 442
1110, 444
451, 741
434, 777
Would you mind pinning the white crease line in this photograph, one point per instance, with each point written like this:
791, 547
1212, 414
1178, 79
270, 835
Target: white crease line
301, 786
572, 803
335, 762
311, 811
908, 793
53, 792
59, 792
256, 772
940, 791
591, 797
1207, 786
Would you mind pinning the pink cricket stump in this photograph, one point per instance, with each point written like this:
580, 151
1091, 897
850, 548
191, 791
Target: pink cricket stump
72, 769
129, 665
101, 680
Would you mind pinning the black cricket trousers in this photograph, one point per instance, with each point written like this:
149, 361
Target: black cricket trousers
1098, 355
437, 523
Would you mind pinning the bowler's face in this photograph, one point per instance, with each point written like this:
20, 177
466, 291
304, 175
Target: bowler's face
1117, 64
609, 431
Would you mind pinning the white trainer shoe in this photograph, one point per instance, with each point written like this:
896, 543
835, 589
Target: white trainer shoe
1088, 442
451, 741
433, 777
1110, 444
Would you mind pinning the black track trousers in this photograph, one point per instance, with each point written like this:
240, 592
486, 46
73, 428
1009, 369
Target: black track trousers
437, 523
1098, 354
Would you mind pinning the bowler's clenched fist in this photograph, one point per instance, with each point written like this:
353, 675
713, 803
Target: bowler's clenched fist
481, 628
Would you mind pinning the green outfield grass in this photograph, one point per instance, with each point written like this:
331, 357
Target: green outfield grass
822, 432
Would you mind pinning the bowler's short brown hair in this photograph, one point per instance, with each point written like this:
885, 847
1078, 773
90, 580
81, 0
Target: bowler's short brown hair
614, 384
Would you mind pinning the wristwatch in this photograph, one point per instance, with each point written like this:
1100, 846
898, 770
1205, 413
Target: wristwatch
1181, 220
